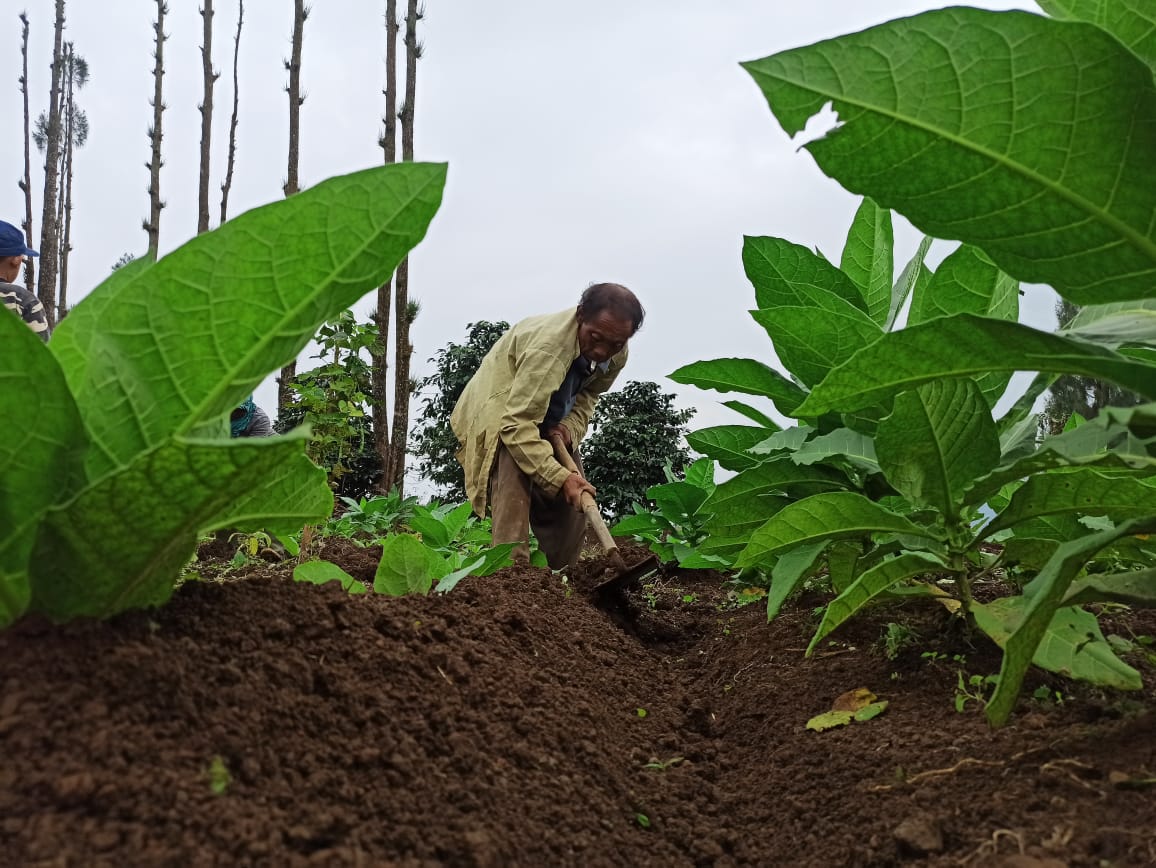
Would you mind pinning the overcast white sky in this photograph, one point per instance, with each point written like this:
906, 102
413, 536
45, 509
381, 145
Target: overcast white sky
610, 140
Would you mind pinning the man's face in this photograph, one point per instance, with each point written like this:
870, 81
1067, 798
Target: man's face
602, 336
10, 267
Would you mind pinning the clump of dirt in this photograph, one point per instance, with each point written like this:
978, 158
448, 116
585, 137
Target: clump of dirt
261, 721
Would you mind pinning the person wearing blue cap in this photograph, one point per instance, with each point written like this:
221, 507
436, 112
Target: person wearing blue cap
17, 299
249, 420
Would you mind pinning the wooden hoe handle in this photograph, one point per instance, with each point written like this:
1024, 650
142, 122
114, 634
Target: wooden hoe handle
593, 516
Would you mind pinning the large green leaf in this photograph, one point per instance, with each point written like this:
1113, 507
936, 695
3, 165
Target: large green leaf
119, 543
857, 449
749, 498
323, 572
742, 375
167, 349
964, 345
678, 501
407, 565
1135, 326
790, 275
1071, 645
789, 570
870, 585
41, 453
1133, 22
1136, 588
937, 441
753, 413
729, 445
1103, 442
966, 282
1051, 586
1028, 137
836, 515
810, 340
868, 258
1084, 491
913, 279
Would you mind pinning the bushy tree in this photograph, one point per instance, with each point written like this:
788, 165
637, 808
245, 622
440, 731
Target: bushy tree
434, 443
332, 399
1072, 393
635, 433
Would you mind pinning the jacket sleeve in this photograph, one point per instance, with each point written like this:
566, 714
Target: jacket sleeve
538, 374
578, 419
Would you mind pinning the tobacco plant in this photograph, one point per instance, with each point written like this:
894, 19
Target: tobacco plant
119, 453
1029, 140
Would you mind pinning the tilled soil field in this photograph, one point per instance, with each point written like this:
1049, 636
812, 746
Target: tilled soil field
255, 721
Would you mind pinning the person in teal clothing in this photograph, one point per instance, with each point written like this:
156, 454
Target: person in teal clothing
249, 420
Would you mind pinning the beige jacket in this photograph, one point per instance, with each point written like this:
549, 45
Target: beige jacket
507, 399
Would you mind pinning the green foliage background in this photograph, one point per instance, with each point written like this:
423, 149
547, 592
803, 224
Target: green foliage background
636, 432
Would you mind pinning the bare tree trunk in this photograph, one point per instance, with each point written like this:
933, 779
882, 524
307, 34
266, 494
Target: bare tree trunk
206, 109
293, 65
227, 185
66, 170
403, 311
379, 392
153, 225
49, 227
26, 182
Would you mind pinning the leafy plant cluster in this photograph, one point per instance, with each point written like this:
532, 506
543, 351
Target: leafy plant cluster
1030, 140
440, 543
120, 452
332, 399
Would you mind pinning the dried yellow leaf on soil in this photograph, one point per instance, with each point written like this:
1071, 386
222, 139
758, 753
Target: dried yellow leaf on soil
853, 700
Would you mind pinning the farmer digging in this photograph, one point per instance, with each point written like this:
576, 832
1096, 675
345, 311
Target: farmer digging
542, 377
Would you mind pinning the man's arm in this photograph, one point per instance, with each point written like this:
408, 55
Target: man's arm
537, 376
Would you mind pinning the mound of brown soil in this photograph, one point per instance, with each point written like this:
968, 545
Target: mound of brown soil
512, 722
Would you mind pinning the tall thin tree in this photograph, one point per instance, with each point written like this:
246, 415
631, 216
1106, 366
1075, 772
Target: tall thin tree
49, 226
227, 184
26, 181
206, 109
404, 311
156, 134
293, 65
75, 136
379, 352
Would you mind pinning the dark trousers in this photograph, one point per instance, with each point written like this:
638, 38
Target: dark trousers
517, 504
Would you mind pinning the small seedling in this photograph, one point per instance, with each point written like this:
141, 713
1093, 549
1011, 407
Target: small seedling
689, 598
662, 765
642, 820
895, 638
974, 688
641, 712
219, 777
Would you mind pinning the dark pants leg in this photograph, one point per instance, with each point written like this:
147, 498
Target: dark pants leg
516, 505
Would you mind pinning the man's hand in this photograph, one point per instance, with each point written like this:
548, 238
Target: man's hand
573, 488
560, 431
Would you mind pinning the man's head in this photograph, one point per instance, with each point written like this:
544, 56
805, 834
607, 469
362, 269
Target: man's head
608, 316
12, 251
